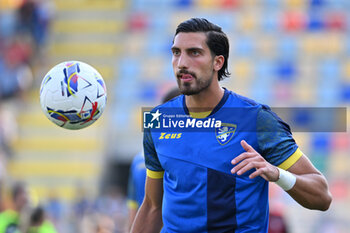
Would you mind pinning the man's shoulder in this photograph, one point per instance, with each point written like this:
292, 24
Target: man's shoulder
245, 101
173, 105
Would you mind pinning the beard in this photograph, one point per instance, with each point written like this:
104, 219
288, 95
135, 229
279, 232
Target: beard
194, 87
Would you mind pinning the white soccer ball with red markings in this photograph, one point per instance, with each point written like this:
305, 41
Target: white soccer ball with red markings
73, 95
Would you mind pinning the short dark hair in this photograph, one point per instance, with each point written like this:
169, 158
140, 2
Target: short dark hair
217, 40
37, 216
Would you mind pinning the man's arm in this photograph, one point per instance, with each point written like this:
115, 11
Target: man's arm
310, 189
149, 216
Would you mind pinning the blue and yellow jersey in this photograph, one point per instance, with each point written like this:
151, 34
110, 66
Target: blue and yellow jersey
9, 220
200, 193
136, 183
45, 227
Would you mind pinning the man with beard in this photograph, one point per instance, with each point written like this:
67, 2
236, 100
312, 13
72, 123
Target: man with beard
216, 179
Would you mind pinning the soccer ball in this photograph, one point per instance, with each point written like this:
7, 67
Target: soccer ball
73, 95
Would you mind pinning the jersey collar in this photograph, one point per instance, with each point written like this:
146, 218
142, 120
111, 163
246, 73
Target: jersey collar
217, 107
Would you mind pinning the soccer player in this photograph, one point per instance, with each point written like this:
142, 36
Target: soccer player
217, 181
10, 218
39, 223
137, 176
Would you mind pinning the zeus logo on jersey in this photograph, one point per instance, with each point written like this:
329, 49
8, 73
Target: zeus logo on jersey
225, 133
170, 135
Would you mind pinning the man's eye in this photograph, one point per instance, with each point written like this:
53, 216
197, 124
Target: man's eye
176, 52
195, 53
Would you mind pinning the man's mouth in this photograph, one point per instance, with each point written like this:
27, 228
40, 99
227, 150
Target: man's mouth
186, 77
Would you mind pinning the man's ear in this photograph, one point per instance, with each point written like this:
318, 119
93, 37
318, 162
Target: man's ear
218, 62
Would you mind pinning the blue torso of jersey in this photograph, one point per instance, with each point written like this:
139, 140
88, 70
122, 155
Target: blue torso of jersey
200, 193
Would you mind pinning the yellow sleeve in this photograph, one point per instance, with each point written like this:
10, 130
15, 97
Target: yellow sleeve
291, 160
155, 174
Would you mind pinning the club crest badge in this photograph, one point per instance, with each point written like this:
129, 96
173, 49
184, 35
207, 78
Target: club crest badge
225, 133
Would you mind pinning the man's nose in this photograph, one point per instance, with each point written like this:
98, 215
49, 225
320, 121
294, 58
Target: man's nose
182, 62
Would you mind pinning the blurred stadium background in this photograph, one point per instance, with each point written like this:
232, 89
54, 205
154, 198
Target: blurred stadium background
285, 53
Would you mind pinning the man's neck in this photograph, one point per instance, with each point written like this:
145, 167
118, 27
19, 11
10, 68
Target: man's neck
206, 100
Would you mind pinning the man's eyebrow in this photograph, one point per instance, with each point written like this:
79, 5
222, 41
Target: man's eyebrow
187, 49
194, 48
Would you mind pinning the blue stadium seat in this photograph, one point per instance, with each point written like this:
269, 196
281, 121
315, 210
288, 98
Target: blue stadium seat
286, 70
345, 92
316, 21
321, 142
270, 22
317, 3
245, 46
183, 3
330, 70
288, 46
